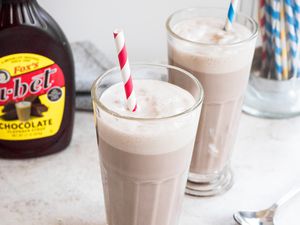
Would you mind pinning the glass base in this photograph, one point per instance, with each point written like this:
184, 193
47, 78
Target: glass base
209, 187
272, 98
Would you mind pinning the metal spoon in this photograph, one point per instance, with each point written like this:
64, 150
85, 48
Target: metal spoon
266, 216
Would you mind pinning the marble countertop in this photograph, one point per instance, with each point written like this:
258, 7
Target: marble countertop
65, 188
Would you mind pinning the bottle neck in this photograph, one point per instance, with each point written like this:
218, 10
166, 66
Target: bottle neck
16, 1
20, 12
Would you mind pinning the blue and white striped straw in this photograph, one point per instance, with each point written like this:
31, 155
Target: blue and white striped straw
269, 33
266, 27
293, 39
269, 19
276, 35
231, 14
297, 29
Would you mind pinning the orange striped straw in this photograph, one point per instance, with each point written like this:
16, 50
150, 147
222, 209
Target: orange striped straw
285, 69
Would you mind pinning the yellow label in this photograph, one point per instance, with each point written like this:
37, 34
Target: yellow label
32, 97
18, 64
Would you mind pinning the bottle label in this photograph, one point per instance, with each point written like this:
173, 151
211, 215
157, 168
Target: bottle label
32, 97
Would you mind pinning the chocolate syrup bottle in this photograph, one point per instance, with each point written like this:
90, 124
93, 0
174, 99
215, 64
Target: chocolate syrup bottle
37, 90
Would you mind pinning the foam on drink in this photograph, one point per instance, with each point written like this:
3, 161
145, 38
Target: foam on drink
157, 99
210, 31
214, 52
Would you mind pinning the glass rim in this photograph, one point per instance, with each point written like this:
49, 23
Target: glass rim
99, 104
170, 31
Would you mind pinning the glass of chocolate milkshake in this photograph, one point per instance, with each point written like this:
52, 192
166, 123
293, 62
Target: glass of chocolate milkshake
145, 155
221, 60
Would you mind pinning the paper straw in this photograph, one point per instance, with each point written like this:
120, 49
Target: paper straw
269, 18
262, 22
285, 70
269, 33
231, 14
125, 69
293, 40
276, 35
296, 9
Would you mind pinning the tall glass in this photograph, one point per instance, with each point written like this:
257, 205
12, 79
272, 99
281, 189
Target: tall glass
145, 161
223, 70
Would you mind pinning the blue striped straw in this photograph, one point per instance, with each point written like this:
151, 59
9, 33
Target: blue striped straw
297, 28
269, 32
293, 39
269, 19
276, 35
231, 14
273, 16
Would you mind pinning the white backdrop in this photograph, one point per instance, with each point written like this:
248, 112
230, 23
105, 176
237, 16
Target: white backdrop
142, 20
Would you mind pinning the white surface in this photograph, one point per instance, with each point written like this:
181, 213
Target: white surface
143, 22
65, 188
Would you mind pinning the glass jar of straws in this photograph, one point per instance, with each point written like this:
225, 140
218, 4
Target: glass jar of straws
274, 85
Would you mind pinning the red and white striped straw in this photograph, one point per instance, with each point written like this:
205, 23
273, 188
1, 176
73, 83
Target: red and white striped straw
125, 69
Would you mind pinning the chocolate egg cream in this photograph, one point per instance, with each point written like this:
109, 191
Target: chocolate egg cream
221, 61
145, 159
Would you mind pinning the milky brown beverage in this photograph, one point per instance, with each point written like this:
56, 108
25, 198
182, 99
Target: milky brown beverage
23, 110
145, 162
221, 61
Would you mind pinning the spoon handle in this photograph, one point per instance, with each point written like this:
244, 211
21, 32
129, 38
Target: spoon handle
286, 198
